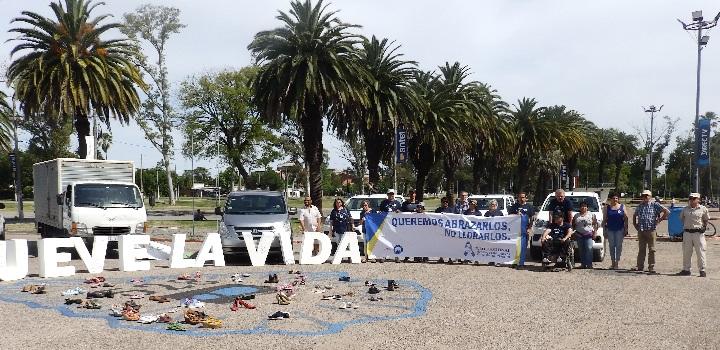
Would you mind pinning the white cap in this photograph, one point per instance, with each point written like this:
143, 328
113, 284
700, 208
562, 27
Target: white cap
390, 190
694, 195
647, 192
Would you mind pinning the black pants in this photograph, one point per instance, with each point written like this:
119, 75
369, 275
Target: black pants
555, 247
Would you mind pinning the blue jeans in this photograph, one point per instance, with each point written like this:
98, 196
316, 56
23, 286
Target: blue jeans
585, 250
615, 240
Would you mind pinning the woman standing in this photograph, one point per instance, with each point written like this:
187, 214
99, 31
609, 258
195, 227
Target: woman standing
615, 225
585, 225
340, 219
472, 208
493, 210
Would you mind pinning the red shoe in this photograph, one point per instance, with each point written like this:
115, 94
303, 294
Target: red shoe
246, 304
235, 306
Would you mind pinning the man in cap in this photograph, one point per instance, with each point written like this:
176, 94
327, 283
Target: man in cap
390, 203
310, 219
694, 218
647, 215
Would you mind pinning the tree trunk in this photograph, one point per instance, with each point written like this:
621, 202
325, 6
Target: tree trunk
571, 167
477, 174
449, 177
312, 127
373, 153
538, 196
82, 127
602, 162
423, 158
168, 174
522, 174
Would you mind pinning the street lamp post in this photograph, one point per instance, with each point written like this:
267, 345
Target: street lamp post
18, 180
698, 25
652, 110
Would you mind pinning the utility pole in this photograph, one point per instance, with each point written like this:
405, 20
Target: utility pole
652, 110
18, 180
698, 25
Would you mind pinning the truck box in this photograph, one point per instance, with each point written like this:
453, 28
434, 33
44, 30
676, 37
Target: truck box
53, 176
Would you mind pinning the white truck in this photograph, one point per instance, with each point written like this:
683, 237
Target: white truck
86, 198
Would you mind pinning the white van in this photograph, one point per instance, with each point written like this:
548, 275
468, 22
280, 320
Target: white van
254, 212
505, 201
594, 206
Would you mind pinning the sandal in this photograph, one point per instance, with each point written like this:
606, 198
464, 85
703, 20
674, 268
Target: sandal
164, 318
176, 326
282, 299
235, 305
247, 296
279, 315
194, 317
160, 299
95, 280
116, 311
91, 304
246, 305
132, 305
211, 322
147, 319
130, 315
184, 277
69, 301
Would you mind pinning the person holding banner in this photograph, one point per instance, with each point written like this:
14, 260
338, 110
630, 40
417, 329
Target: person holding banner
523, 208
473, 208
390, 204
340, 219
445, 206
493, 210
410, 204
462, 204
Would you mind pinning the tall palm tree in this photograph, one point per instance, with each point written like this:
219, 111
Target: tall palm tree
576, 138
68, 69
604, 150
6, 133
533, 135
309, 71
390, 103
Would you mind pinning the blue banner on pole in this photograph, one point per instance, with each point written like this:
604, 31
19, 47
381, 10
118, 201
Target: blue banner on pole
401, 151
703, 143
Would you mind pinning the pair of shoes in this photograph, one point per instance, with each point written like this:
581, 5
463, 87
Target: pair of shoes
176, 326
344, 279
100, 294
90, 304
703, 274
272, 279
282, 299
373, 298
683, 273
348, 305
279, 315
69, 301
373, 290
159, 299
211, 322
236, 278
392, 285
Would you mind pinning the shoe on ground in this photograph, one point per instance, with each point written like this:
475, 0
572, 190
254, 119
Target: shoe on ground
373, 290
279, 315
703, 274
546, 261
683, 273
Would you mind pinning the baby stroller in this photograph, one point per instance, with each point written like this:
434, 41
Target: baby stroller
558, 252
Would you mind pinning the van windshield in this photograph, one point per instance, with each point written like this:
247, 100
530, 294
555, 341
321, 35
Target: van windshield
484, 203
592, 202
255, 204
107, 196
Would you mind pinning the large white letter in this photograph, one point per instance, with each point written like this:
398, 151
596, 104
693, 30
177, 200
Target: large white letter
13, 259
177, 257
211, 250
347, 248
258, 255
129, 254
50, 258
95, 262
287, 249
308, 243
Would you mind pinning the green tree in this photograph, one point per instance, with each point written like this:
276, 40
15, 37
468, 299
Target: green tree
49, 136
6, 128
157, 118
67, 69
309, 72
218, 108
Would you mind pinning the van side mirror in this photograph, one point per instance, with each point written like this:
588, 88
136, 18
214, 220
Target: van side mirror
292, 211
218, 211
59, 199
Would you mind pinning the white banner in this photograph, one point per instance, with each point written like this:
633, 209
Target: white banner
443, 235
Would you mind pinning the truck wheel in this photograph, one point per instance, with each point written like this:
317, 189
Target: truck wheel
536, 253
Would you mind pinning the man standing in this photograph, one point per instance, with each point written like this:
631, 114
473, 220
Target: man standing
462, 204
390, 203
647, 216
410, 204
310, 220
694, 218
521, 207
445, 206
560, 205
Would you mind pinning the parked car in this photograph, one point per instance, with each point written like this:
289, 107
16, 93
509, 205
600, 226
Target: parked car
255, 212
593, 200
505, 201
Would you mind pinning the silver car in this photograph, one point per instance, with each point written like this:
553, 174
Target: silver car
255, 212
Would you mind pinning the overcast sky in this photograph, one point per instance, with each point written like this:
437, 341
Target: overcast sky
604, 59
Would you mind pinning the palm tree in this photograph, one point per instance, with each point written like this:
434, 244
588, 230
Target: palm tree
604, 149
390, 102
533, 135
6, 134
67, 69
309, 71
576, 140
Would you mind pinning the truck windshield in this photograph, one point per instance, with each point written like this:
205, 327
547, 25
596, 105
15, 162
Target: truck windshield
107, 196
255, 204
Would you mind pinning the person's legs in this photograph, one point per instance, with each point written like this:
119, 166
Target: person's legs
586, 251
687, 247
642, 247
619, 237
651, 250
700, 246
523, 248
612, 245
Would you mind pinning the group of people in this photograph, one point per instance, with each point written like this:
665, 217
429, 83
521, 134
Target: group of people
564, 225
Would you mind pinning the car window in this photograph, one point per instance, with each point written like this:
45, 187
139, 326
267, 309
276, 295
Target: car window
255, 204
592, 202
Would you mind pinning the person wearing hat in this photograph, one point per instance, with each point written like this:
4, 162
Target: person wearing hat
645, 219
390, 203
310, 219
694, 218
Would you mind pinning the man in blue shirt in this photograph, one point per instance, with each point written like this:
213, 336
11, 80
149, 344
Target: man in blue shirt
445, 206
560, 205
521, 207
390, 203
647, 216
410, 204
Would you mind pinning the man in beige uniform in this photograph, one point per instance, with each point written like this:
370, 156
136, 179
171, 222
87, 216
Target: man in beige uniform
310, 220
694, 218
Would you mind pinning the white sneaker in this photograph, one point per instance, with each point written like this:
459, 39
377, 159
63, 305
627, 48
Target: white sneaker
344, 305
559, 259
546, 261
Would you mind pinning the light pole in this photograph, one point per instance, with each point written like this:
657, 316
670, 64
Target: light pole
698, 25
652, 110
18, 180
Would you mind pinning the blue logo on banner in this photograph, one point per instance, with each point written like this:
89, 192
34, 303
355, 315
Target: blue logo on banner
398, 249
703, 143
